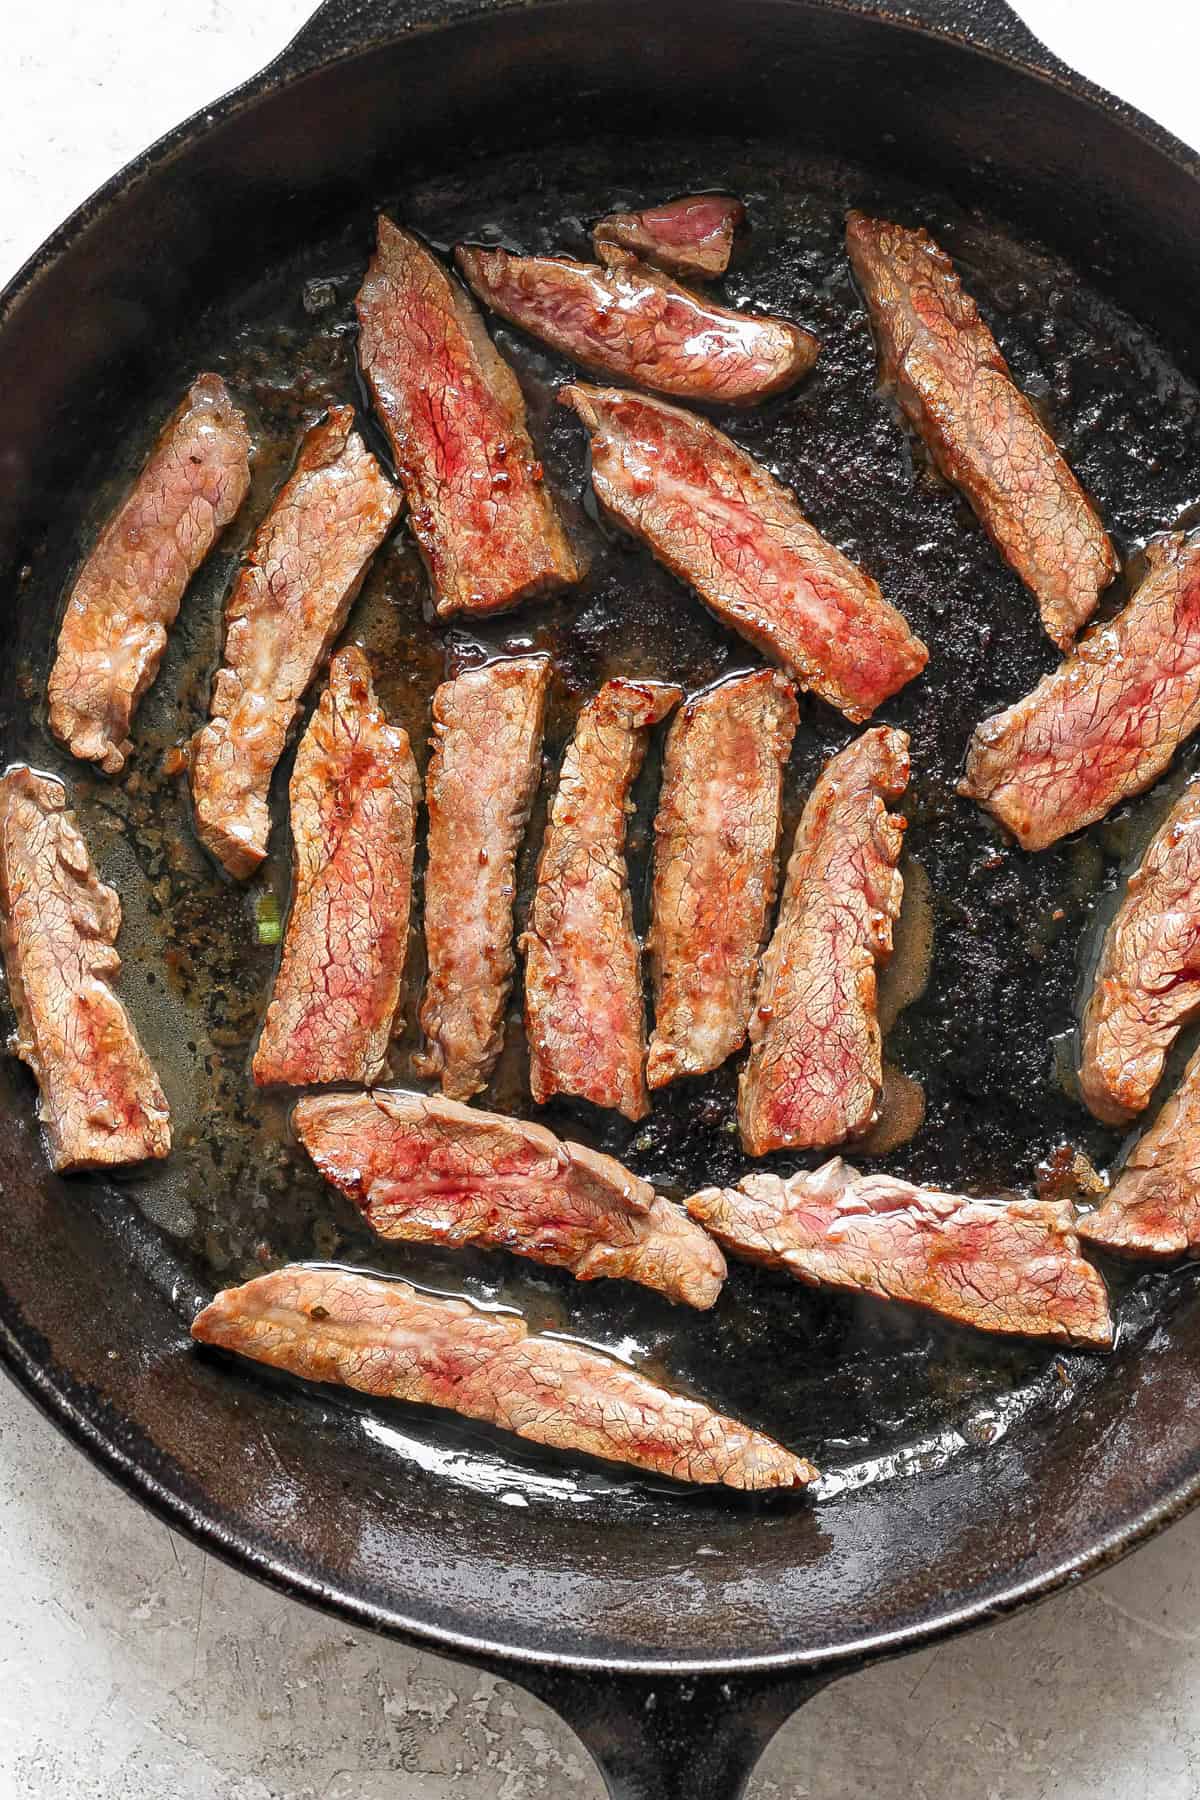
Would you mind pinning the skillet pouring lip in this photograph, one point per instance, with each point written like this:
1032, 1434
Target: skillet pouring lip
92, 1426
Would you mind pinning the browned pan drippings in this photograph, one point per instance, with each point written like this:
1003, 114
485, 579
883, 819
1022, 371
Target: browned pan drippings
849, 1382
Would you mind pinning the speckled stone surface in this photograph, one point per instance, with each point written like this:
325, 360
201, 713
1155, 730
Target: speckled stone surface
132, 1667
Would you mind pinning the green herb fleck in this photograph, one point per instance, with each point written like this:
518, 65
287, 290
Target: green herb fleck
268, 924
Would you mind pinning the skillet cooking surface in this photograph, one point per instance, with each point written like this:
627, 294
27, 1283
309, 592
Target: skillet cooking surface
872, 1393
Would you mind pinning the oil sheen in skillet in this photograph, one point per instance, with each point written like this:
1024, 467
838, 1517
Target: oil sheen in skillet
867, 1391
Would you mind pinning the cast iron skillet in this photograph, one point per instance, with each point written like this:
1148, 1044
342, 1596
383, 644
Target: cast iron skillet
674, 1633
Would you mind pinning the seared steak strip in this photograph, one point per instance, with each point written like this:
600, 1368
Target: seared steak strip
101, 1103
633, 322
1147, 985
1105, 723
354, 795
386, 1339
720, 522
1000, 1266
127, 594
943, 366
693, 235
288, 604
715, 868
1154, 1207
815, 1072
453, 410
428, 1170
584, 1015
483, 775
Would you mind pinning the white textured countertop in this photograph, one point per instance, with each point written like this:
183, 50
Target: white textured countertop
132, 1667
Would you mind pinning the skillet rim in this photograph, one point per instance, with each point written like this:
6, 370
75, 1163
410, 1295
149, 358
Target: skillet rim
1002, 39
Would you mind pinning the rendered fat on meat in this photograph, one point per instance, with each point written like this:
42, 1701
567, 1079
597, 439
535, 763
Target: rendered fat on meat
127, 595
630, 321
1154, 1207
101, 1103
717, 844
1103, 725
584, 1014
480, 511
385, 1339
815, 1072
721, 523
354, 796
693, 235
482, 778
428, 1170
945, 370
1012, 1267
287, 606
1147, 983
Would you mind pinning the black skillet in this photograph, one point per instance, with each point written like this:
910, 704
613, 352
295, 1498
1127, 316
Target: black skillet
674, 1632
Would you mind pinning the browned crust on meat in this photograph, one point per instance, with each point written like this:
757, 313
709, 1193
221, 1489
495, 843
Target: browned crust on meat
942, 364
715, 868
354, 797
428, 1170
480, 785
1012, 1267
484, 521
1105, 724
815, 1072
1147, 984
584, 1014
626, 320
287, 606
720, 522
100, 1100
385, 1339
127, 595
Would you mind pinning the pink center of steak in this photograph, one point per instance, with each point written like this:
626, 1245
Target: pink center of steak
1013, 1268
455, 415
354, 796
718, 520
585, 1017
630, 321
815, 1072
384, 1338
1106, 722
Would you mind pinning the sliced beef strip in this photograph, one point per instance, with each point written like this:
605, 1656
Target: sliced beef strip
101, 1103
385, 1339
693, 235
1147, 983
1012, 1267
354, 797
815, 1071
287, 606
127, 595
715, 868
720, 522
632, 322
1154, 1207
428, 1170
482, 778
584, 1013
944, 368
480, 511
1105, 723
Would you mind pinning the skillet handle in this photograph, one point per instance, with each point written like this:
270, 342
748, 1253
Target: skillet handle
340, 27
674, 1738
